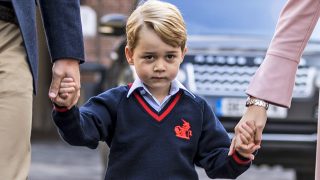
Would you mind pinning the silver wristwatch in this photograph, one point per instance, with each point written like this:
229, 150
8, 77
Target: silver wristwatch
257, 102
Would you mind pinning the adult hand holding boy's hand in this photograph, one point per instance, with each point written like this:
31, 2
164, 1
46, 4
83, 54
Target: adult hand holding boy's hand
244, 141
67, 92
65, 68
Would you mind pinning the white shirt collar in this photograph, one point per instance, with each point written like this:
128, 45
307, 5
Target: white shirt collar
175, 87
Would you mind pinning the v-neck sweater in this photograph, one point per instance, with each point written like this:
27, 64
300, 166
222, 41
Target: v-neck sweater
146, 144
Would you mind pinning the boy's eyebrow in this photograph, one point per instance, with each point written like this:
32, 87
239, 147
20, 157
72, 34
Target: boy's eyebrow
152, 52
172, 52
149, 52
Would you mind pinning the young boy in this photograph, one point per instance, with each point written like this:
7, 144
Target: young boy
155, 127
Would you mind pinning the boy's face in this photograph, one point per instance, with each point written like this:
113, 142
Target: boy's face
156, 63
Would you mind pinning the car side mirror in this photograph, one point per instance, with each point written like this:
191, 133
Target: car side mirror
112, 25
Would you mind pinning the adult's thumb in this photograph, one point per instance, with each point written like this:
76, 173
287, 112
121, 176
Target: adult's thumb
54, 87
231, 148
258, 137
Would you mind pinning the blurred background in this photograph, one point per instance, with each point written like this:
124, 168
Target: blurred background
227, 41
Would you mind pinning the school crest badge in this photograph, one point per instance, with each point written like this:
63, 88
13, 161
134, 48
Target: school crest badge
183, 131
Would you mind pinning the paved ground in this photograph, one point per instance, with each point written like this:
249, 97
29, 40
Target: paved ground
55, 160
59, 161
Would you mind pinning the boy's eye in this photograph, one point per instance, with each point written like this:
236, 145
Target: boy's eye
148, 57
170, 57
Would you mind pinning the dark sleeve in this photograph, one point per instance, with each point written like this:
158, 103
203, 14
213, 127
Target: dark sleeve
213, 149
62, 23
92, 123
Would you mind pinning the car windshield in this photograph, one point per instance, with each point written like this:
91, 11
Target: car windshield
231, 17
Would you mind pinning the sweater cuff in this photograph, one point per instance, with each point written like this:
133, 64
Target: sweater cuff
59, 108
238, 158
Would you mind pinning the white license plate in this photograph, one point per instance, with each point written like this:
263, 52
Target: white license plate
235, 107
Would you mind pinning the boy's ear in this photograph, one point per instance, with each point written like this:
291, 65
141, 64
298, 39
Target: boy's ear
129, 55
183, 54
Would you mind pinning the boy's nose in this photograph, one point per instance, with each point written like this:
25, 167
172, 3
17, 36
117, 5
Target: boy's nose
159, 66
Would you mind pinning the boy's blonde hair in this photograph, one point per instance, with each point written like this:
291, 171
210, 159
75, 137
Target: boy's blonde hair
162, 17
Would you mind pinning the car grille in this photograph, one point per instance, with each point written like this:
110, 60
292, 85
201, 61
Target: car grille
230, 75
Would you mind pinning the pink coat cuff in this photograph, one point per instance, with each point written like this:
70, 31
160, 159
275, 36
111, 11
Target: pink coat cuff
274, 80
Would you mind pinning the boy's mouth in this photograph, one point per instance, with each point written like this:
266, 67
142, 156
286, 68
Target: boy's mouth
158, 78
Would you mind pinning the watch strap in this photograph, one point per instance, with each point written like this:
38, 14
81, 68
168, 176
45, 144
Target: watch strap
257, 102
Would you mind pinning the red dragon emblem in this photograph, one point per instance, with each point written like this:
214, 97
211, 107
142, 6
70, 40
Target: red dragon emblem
183, 131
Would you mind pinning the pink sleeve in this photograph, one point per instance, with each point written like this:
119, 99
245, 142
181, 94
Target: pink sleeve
275, 78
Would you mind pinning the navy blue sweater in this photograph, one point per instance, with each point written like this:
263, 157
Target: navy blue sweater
145, 144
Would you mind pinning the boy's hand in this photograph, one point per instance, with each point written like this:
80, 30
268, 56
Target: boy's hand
244, 143
256, 115
67, 92
64, 68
